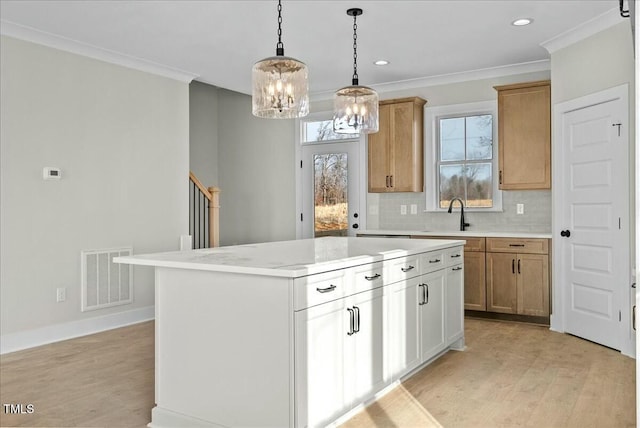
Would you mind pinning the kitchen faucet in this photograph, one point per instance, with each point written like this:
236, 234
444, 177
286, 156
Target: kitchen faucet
462, 223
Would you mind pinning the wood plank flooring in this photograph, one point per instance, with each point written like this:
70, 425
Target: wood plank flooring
510, 375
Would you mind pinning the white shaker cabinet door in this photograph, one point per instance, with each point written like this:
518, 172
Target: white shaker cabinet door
319, 363
403, 333
454, 325
364, 350
431, 308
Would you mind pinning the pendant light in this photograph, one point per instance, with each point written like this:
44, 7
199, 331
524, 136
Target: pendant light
355, 107
280, 84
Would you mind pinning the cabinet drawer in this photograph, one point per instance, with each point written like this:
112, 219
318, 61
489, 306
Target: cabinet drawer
454, 256
518, 245
401, 268
432, 261
365, 277
316, 289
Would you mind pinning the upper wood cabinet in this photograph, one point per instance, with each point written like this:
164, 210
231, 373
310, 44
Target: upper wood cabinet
395, 151
524, 129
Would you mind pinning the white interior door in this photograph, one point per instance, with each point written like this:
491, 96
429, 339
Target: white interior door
330, 196
593, 225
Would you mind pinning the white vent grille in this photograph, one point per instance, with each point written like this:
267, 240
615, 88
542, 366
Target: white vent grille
105, 283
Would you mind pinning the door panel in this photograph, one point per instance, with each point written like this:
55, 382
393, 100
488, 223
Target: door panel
432, 339
330, 173
595, 210
403, 327
475, 297
533, 284
501, 283
378, 152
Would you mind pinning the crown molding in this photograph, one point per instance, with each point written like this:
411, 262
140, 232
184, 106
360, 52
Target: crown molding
599, 23
32, 35
444, 79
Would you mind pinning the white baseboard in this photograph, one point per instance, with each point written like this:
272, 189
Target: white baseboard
55, 333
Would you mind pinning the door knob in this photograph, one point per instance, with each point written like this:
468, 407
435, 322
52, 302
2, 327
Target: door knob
565, 233
355, 225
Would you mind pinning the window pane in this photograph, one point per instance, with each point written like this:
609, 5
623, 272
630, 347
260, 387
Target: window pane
323, 131
479, 137
451, 183
452, 139
479, 185
330, 201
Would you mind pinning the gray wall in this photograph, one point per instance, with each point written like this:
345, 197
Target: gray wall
121, 139
252, 160
203, 132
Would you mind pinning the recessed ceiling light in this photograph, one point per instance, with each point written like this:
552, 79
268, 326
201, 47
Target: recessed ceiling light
522, 21
381, 62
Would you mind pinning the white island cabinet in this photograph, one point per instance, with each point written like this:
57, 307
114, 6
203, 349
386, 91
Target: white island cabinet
297, 333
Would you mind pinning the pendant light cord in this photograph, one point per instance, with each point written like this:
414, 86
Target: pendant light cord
354, 79
280, 45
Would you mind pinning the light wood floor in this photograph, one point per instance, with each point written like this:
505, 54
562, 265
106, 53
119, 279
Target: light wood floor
510, 375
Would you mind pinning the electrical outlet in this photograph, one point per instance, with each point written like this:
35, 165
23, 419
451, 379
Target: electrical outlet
403, 210
414, 209
519, 208
61, 294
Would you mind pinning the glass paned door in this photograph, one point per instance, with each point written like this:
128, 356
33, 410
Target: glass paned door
330, 200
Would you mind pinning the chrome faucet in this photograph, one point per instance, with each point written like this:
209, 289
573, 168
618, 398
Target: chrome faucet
462, 223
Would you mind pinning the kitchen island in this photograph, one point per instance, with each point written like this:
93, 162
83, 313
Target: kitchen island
297, 333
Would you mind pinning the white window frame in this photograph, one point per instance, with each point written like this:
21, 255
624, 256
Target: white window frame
432, 178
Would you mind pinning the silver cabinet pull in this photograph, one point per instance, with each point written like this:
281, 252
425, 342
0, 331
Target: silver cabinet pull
456, 256
422, 302
434, 261
407, 269
457, 268
634, 317
371, 278
351, 322
357, 319
326, 290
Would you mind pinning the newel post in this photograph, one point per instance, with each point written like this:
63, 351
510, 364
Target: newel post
214, 217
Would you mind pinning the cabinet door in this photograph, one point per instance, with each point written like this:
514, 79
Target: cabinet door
379, 153
524, 120
404, 341
533, 284
501, 283
431, 309
454, 320
364, 352
475, 297
319, 363
406, 148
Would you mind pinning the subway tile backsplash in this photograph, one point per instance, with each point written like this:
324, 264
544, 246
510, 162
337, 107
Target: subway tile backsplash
536, 217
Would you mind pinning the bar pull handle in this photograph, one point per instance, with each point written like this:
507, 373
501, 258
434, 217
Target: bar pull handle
357, 319
391, 181
457, 268
434, 261
634, 317
513, 266
516, 245
455, 256
387, 181
407, 269
519, 266
351, 322
327, 289
422, 292
426, 300
371, 278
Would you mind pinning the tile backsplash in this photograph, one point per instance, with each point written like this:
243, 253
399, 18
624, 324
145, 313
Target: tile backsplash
383, 212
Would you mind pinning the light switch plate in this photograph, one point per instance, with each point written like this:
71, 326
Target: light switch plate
519, 208
403, 210
414, 209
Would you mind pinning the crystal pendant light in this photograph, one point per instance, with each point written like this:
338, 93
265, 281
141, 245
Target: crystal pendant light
280, 84
355, 107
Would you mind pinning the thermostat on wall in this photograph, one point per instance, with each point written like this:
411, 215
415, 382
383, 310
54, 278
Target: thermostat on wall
49, 173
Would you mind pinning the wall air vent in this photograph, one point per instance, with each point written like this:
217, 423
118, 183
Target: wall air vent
105, 283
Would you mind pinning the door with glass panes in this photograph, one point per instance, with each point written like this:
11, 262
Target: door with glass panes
330, 174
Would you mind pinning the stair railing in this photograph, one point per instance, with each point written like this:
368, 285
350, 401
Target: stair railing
204, 214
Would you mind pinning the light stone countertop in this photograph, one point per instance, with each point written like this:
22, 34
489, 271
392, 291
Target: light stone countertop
458, 233
291, 259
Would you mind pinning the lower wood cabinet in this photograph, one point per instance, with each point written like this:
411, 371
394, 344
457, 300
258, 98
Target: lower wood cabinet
518, 282
475, 296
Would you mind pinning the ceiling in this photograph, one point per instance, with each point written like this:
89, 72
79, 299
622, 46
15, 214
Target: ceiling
217, 42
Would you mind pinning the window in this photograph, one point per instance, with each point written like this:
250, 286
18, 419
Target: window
462, 157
